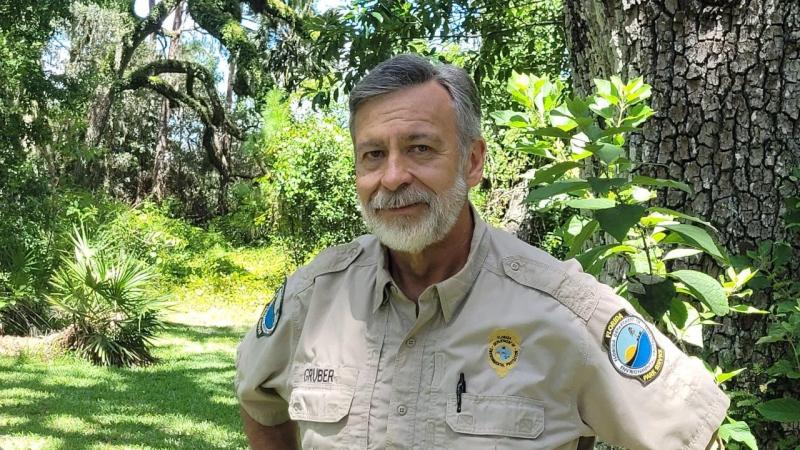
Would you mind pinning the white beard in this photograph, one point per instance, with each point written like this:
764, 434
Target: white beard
413, 234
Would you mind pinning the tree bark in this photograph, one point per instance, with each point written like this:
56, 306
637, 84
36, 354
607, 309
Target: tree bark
726, 91
162, 155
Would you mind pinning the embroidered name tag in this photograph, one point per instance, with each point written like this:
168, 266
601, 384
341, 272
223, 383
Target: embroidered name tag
318, 375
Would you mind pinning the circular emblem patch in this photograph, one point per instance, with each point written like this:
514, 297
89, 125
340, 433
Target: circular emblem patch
632, 347
503, 351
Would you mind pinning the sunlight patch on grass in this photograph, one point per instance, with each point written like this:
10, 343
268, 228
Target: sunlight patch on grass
68, 424
29, 443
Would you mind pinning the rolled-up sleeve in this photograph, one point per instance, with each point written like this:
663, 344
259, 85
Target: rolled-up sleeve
263, 366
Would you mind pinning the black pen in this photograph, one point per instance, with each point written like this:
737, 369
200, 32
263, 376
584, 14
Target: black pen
461, 388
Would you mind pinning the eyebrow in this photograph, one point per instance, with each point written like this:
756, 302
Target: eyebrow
372, 143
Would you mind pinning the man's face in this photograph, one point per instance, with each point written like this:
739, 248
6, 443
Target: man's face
410, 177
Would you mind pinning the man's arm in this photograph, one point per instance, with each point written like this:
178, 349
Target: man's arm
262, 437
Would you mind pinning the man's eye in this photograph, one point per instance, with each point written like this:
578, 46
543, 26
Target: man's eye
372, 155
420, 149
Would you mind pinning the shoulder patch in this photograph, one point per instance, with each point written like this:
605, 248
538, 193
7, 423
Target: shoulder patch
570, 287
632, 348
268, 322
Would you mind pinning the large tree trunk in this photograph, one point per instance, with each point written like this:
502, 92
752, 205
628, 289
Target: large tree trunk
162, 154
726, 90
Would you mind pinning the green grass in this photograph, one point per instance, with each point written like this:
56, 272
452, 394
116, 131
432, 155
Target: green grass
184, 402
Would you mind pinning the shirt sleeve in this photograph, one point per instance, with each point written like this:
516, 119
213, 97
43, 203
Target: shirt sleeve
638, 390
263, 361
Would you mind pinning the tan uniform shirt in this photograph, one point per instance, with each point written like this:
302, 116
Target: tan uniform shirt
548, 354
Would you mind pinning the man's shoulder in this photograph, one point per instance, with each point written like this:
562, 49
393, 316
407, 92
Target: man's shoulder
334, 259
534, 268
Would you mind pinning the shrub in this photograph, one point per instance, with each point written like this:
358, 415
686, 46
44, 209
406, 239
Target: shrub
104, 297
610, 216
307, 198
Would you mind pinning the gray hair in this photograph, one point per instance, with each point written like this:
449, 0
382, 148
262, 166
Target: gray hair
408, 70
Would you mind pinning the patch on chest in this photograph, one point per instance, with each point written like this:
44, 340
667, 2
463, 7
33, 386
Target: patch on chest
632, 348
503, 351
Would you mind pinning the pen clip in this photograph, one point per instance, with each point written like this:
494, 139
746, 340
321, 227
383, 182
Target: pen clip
461, 387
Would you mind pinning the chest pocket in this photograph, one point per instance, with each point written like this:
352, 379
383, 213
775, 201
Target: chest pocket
499, 422
322, 395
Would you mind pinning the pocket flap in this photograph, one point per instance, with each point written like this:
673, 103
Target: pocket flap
320, 405
510, 416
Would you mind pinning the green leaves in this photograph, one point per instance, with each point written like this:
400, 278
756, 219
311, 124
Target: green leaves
695, 237
617, 221
780, 410
653, 292
591, 203
734, 430
550, 173
556, 188
647, 181
705, 289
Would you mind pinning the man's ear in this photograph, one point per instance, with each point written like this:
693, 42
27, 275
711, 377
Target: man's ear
475, 159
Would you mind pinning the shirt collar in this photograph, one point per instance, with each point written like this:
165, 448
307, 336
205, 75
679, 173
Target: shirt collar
452, 291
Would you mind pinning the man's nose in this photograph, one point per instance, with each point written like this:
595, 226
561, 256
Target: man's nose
396, 173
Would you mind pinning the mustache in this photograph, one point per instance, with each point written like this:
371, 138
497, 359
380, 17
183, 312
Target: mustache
398, 199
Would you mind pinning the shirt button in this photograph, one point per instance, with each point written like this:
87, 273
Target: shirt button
402, 410
410, 342
514, 266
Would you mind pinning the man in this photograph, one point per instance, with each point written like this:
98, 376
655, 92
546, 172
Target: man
438, 331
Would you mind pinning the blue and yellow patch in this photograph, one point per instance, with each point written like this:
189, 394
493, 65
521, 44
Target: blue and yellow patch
632, 348
271, 314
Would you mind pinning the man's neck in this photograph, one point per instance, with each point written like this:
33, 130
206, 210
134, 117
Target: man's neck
414, 272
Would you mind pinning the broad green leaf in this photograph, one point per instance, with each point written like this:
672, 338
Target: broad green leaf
680, 253
653, 292
673, 213
659, 182
637, 115
591, 203
691, 329
704, 288
618, 130
578, 108
602, 107
581, 237
697, 238
511, 119
725, 376
561, 118
603, 86
552, 132
556, 188
747, 309
739, 432
617, 221
641, 194
377, 16
602, 186
593, 257
608, 153
553, 172
539, 148
781, 410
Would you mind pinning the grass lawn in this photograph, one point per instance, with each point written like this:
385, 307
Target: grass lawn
184, 402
